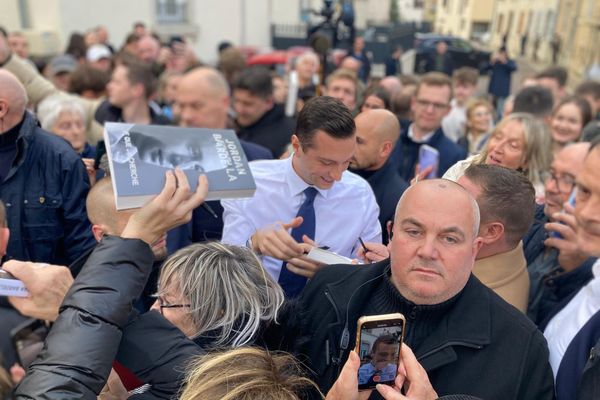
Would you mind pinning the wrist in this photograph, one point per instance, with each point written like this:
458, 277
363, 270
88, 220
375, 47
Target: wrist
251, 244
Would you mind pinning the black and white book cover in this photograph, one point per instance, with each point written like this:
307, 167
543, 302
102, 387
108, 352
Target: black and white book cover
140, 155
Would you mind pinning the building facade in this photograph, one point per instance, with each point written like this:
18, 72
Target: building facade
469, 19
578, 22
533, 22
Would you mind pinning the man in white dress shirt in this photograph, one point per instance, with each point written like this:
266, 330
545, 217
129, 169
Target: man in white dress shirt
344, 206
574, 331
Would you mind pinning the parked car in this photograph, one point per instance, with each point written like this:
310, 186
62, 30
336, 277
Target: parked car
464, 54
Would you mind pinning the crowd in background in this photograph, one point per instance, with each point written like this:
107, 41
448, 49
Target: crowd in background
493, 266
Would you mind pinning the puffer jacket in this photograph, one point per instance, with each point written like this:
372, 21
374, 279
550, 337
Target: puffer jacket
81, 346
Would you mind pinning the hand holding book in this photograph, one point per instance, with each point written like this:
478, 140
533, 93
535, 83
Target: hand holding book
172, 207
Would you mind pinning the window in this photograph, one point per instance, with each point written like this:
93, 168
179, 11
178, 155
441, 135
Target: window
171, 11
461, 45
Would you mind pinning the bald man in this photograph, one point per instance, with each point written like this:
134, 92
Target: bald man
202, 101
456, 326
43, 184
377, 132
106, 220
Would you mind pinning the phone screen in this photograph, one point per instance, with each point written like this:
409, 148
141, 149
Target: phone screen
379, 348
428, 156
28, 340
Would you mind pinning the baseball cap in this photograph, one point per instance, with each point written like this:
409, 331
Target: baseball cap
62, 63
97, 52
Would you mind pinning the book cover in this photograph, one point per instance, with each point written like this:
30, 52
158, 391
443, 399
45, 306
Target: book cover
140, 155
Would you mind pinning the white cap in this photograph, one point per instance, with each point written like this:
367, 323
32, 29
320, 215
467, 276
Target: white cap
97, 52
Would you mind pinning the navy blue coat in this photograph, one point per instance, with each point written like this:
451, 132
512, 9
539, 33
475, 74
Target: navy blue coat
388, 187
559, 286
44, 193
500, 78
406, 153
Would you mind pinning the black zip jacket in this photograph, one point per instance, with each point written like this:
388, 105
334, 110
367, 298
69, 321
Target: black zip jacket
483, 347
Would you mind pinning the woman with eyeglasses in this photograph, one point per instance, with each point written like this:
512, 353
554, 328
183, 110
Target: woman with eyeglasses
518, 142
478, 126
218, 295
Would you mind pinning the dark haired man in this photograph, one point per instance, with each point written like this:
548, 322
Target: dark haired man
506, 202
259, 118
535, 100
310, 193
555, 79
129, 91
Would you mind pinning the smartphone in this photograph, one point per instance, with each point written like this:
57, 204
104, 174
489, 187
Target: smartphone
428, 156
571, 201
11, 286
378, 341
28, 340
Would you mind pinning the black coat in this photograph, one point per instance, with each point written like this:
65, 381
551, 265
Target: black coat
483, 347
388, 187
273, 130
83, 342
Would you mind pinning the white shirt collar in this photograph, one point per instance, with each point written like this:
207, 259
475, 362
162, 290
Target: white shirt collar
424, 139
296, 184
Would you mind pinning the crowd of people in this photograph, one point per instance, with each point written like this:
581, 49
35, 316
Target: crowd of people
490, 254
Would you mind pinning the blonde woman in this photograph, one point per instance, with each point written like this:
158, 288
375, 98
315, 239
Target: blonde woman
519, 142
478, 126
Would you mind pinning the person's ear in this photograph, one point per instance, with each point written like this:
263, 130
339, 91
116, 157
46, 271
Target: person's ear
296, 144
98, 231
386, 149
491, 232
3, 108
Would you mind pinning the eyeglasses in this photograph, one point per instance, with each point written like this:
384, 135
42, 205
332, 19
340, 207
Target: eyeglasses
436, 106
163, 304
564, 183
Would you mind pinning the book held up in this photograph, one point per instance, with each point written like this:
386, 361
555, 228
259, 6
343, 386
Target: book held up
140, 155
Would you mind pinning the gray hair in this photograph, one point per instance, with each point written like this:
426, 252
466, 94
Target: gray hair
538, 146
228, 290
51, 107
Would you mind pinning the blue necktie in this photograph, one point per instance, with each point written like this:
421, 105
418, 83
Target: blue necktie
291, 283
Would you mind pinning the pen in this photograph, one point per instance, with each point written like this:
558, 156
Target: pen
209, 210
363, 245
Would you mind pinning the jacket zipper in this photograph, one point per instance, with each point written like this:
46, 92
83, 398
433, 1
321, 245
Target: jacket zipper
448, 344
328, 359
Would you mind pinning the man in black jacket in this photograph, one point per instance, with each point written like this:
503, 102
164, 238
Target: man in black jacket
377, 132
259, 119
429, 105
456, 326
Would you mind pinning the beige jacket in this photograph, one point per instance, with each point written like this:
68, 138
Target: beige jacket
38, 88
506, 274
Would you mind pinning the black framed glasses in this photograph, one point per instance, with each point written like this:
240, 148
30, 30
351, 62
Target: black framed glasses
163, 304
564, 183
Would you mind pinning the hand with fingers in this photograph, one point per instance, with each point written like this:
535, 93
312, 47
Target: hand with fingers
570, 255
275, 240
47, 286
421, 175
303, 265
375, 252
412, 377
172, 207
